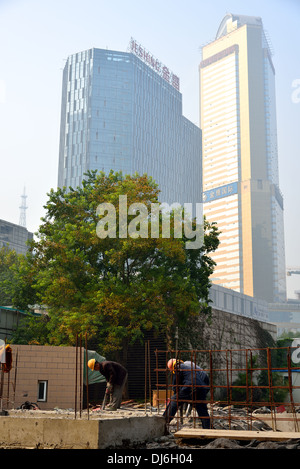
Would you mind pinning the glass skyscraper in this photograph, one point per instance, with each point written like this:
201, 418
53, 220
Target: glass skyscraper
14, 237
122, 111
240, 160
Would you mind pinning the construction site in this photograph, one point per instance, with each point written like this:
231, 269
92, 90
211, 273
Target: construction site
50, 399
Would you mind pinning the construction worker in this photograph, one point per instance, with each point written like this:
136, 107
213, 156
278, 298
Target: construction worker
190, 383
116, 376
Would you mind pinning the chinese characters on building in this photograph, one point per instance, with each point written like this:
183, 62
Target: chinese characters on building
155, 64
220, 192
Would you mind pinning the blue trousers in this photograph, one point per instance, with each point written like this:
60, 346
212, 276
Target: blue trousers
185, 394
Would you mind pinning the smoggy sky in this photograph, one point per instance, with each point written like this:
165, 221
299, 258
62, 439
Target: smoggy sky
37, 36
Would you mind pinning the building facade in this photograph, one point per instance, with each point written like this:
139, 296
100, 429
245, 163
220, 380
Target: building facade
240, 162
14, 237
122, 111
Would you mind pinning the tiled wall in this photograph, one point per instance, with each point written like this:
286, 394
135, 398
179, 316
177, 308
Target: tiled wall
34, 363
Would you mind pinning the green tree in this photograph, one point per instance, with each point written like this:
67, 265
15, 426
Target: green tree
8, 258
16, 279
258, 386
33, 329
115, 288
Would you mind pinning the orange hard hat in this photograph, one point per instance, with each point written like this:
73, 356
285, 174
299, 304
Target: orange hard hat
172, 363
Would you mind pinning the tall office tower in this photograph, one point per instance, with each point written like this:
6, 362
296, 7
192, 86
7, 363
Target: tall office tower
122, 111
240, 161
14, 237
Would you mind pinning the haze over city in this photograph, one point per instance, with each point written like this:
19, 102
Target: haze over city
37, 37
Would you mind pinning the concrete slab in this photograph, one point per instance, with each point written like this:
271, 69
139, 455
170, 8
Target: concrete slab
67, 433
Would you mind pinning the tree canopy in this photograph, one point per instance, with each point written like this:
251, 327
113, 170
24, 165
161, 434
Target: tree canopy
16, 279
115, 287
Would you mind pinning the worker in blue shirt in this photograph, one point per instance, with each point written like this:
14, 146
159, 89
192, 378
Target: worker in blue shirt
190, 384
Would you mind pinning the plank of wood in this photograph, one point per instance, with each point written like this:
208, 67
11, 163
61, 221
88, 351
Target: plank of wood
236, 434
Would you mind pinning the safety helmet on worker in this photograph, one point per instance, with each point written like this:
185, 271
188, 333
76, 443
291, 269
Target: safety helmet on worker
91, 363
172, 363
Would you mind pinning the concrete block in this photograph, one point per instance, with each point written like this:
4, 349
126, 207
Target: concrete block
67, 433
114, 433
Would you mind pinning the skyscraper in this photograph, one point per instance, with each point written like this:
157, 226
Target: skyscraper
240, 162
14, 237
122, 111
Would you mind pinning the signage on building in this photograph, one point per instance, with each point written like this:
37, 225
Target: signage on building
220, 192
154, 63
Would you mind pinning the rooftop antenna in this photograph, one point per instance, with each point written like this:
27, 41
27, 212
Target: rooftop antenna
23, 207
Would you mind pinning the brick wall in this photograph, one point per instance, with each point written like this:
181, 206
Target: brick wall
35, 363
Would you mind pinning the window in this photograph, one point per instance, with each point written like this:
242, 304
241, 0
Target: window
42, 391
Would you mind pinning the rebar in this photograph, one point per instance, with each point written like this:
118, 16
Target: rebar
76, 366
87, 379
237, 380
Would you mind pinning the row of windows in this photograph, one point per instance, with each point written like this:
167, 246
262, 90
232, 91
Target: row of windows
226, 64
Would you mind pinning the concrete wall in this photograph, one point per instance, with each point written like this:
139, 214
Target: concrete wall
232, 331
54, 433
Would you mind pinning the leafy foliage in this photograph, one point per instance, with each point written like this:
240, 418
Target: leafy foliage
16, 279
258, 386
114, 288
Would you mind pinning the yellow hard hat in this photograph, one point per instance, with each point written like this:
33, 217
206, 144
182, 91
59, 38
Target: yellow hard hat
91, 363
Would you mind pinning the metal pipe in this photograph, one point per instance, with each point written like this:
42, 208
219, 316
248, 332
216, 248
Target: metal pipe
15, 380
80, 376
1, 387
228, 390
149, 364
8, 383
145, 377
271, 395
291, 389
156, 373
76, 364
87, 379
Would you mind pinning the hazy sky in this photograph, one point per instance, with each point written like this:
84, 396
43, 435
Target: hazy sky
36, 37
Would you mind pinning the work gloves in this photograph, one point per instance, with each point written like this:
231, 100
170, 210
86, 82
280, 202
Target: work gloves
109, 388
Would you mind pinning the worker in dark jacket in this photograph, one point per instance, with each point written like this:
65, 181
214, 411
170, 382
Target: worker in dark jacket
116, 376
190, 383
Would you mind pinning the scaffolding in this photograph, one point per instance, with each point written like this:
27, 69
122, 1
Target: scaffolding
261, 380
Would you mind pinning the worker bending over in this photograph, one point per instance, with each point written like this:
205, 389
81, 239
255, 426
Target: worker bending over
116, 376
191, 384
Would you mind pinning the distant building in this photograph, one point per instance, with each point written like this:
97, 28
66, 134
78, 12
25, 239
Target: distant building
286, 316
240, 162
122, 111
9, 321
14, 236
227, 300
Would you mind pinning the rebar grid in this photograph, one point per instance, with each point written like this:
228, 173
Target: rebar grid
249, 379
